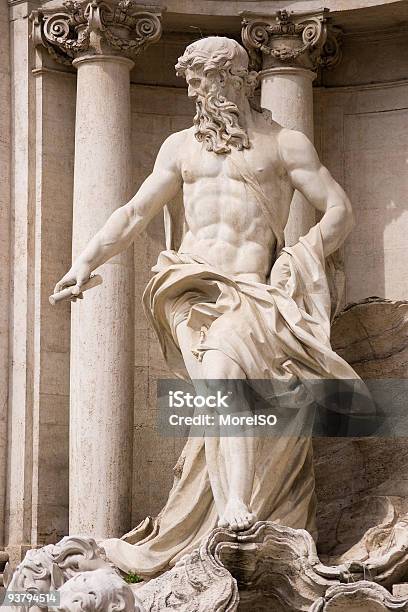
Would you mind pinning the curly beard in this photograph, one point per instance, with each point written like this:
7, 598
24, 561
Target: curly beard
217, 124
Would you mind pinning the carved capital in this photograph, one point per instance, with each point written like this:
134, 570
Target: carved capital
288, 39
95, 28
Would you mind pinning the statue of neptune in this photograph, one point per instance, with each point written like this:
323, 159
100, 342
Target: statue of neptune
229, 301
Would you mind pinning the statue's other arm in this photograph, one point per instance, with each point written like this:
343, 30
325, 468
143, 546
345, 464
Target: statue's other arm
127, 221
314, 181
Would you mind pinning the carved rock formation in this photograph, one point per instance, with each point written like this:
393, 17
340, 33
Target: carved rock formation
362, 596
368, 494
198, 582
268, 567
372, 336
273, 567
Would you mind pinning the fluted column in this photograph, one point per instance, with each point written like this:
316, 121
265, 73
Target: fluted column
100, 39
289, 49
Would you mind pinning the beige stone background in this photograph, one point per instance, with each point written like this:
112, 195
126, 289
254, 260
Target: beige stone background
361, 120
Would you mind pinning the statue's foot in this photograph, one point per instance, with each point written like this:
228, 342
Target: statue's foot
236, 516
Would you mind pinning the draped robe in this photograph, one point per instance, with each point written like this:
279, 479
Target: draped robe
279, 331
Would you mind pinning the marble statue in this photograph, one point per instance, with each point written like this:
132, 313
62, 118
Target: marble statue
229, 301
77, 568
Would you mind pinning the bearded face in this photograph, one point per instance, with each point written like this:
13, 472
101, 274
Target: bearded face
217, 117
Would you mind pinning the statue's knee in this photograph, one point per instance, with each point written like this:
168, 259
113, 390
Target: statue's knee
224, 381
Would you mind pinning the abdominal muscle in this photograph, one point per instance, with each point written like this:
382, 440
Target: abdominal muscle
231, 235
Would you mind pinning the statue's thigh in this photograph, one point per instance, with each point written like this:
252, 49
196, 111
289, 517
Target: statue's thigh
217, 365
186, 339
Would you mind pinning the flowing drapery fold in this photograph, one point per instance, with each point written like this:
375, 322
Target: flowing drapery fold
278, 331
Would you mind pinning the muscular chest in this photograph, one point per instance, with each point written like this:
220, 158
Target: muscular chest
260, 160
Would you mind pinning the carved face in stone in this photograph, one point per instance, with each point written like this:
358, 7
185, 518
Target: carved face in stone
36, 573
217, 76
101, 590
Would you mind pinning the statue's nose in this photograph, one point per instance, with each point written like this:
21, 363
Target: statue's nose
191, 92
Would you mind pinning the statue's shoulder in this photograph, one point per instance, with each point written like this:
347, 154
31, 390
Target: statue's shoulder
178, 137
176, 140
174, 145
295, 148
272, 126
293, 139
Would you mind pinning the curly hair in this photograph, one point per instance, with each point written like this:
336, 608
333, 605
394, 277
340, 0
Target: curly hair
217, 120
220, 54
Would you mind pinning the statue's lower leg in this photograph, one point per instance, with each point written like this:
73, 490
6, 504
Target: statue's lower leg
236, 441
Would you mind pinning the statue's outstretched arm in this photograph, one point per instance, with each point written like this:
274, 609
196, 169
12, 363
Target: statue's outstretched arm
127, 221
314, 181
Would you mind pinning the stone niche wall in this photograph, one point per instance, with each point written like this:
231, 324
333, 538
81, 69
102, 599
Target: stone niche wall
364, 143
361, 115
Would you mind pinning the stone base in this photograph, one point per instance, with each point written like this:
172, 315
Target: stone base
269, 567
